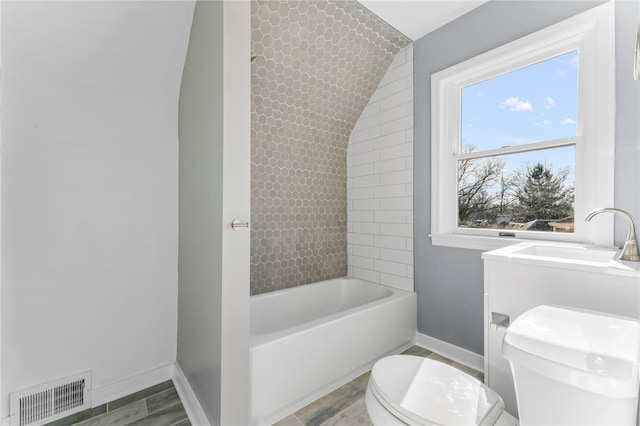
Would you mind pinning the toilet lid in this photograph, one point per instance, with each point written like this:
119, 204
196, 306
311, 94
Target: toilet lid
422, 391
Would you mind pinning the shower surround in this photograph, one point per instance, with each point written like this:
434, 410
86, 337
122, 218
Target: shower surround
316, 66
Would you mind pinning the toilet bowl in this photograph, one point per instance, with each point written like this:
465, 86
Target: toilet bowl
570, 366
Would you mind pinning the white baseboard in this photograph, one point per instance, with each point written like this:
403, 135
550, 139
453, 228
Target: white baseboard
123, 387
189, 401
453, 352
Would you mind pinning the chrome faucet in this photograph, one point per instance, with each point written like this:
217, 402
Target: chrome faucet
630, 249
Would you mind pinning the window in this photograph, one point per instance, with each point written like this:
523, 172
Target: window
523, 138
516, 161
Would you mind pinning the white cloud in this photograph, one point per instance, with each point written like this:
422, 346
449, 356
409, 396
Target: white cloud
543, 123
549, 102
515, 104
562, 73
568, 121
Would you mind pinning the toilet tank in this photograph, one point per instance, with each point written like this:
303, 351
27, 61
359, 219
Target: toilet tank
574, 367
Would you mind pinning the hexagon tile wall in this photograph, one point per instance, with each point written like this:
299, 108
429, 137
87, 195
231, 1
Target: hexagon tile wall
317, 64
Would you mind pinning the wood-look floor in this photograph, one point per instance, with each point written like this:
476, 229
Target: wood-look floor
345, 406
160, 405
155, 406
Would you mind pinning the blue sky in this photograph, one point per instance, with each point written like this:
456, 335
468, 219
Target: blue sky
532, 104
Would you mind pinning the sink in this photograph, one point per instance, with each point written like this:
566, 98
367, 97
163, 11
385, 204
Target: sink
567, 255
587, 254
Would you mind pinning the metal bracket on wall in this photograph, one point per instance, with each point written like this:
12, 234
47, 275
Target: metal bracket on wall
499, 321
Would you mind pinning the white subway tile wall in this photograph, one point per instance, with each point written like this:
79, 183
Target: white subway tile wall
380, 181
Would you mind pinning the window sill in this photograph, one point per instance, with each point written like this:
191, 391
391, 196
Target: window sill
473, 242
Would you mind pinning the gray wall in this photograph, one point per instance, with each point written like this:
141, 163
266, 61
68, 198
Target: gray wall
449, 282
214, 186
200, 209
627, 180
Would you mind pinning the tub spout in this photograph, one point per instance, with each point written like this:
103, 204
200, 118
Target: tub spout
630, 249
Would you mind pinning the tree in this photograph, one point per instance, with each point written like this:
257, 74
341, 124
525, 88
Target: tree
476, 177
504, 194
541, 195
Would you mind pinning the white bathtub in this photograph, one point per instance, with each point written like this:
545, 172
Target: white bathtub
309, 340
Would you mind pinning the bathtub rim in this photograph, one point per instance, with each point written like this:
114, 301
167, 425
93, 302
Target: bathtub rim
256, 340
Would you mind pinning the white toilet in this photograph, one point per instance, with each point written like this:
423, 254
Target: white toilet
570, 367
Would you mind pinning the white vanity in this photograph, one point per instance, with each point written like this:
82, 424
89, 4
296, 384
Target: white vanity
526, 275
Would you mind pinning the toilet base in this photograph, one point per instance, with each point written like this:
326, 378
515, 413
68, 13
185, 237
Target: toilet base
377, 413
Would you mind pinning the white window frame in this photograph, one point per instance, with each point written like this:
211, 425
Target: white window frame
592, 34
